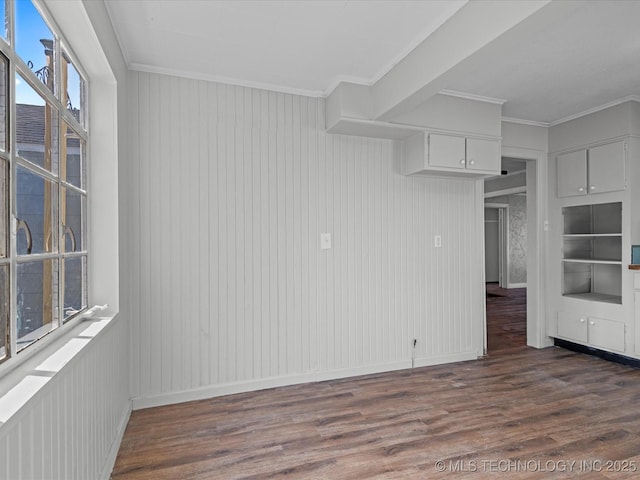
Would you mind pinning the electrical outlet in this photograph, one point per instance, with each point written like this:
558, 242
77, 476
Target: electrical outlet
437, 241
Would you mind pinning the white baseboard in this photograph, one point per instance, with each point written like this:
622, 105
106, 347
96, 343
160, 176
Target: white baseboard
439, 360
517, 285
272, 382
110, 461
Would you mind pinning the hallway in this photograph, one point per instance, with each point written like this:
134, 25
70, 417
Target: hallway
506, 319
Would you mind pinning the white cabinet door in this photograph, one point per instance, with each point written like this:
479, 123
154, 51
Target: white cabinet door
446, 151
606, 334
483, 155
572, 327
606, 168
572, 174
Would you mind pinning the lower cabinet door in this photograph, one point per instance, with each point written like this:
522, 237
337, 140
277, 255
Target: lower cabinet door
606, 334
572, 327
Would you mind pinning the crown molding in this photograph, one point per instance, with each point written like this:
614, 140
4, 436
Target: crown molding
226, 80
628, 98
471, 96
521, 121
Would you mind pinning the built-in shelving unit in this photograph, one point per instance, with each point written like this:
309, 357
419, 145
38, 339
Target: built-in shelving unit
592, 252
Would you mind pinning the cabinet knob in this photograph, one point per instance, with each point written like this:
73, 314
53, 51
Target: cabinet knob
592, 323
472, 162
582, 320
462, 162
581, 189
592, 187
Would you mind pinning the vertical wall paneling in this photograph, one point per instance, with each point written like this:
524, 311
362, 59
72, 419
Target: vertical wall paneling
72, 426
233, 187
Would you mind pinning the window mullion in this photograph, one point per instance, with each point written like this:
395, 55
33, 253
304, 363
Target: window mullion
13, 275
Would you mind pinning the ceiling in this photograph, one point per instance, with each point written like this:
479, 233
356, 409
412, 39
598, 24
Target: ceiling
548, 68
298, 46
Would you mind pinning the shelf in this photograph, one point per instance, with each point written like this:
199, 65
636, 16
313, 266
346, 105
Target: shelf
592, 252
596, 297
634, 267
591, 235
593, 260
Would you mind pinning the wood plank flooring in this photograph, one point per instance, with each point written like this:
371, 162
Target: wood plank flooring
506, 318
517, 413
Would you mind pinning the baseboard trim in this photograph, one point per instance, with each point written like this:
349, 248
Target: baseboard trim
439, 360
110, 460
596, 352
517, 285
273, 382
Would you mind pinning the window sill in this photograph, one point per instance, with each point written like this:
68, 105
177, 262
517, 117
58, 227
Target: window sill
21, 382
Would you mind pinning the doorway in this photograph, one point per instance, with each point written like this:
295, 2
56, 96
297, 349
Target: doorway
506, 262
496, 243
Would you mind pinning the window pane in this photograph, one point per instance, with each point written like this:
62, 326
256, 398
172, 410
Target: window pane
4, 89
72, 217
4, 208
34, 41
36, 209
36, 128
74, 275
72, 168
4, 309
73, 89
37, 289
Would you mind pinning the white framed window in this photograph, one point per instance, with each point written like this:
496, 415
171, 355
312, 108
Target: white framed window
43, 181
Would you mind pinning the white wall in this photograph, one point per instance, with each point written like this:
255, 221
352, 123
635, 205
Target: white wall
71, 428
517, 268
232, 188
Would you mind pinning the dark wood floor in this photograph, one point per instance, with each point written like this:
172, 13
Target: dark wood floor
506, 319
517, 413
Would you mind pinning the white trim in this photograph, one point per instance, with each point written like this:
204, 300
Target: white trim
504, 266
536, 257
472, 96
521, 121
110, 459
517, 285
479, 331
444, 359
114, 25
345, 79
506, 191
272, 382
628, 98
226, 80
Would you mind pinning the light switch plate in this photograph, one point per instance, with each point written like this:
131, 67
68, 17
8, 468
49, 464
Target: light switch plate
325, 241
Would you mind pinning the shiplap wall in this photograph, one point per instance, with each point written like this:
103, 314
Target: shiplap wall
232, 188
72, 427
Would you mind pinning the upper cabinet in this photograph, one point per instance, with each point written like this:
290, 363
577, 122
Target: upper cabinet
426, 153
596, 170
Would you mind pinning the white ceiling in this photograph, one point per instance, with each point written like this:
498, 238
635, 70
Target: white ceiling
300, 46
587, 55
